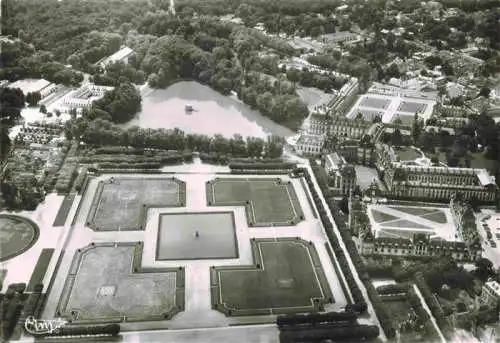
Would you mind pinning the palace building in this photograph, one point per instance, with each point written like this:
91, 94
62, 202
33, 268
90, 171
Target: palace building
341, 176
419, 179
418, 246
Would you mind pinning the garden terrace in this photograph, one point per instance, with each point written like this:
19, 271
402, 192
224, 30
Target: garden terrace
268, 202
286, 277
106, 283
133, 196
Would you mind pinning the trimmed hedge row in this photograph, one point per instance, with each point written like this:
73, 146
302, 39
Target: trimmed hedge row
80, 179
131, 171
214, 158
82, 330
257, 160
108, 165
265, 166
11, 308
378, 305
357, 295
434, 306
400, 288
67, 175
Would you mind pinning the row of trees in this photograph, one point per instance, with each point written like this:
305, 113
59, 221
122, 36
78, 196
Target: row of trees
121, 104
100, 132
378, 305
357, 295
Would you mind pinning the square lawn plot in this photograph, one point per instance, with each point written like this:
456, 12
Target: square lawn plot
178, 238
268, 201
101, 285
412, 107
375, 102
122, 203
288, 279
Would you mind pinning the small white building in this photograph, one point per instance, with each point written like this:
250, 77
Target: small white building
34, 85
122, 55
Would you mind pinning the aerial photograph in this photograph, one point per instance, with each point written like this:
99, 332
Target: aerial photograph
250, 171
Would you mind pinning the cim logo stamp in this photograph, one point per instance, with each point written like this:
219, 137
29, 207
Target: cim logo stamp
42, 327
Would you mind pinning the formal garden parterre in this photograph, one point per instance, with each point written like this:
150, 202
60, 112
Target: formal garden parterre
268, 202
17, 234
122, 203
106, 283
286, 277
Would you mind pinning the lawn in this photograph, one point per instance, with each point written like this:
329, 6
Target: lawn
412, 107
438, 217
17, 234
395, 233
268, 202
398, 309
121, 204
416, 211
105, 284
380, 217
403, 223
287, 277
63, 212
408, 154
375, 102
196, 235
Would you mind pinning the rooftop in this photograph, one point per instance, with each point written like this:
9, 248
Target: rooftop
494, 287
310, 139
117, 56
30, 85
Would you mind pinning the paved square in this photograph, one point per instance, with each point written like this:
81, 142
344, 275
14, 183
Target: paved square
106, 283
404, 221
268, 202
287, 277
121, 203
199, 235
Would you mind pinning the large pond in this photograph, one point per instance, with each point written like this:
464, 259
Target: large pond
213, 112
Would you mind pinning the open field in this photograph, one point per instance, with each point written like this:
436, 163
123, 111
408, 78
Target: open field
17, 234
287, 277
196, 235
268, 202
121, 204
106, 284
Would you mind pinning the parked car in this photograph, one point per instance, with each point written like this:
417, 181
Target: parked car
493, 244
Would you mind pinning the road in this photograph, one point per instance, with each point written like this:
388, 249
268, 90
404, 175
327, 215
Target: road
246, 334
433, 320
